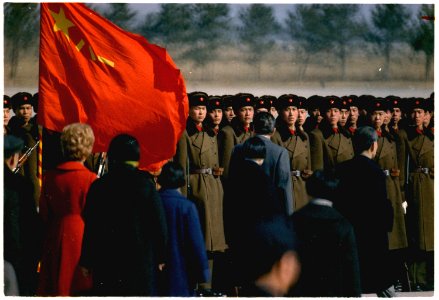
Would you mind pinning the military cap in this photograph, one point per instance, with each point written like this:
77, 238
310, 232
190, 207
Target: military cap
261, 102
378, 104
364, 100
227, 100
12, 144
303, 103
395, 101
271, 99
7, 101
214, 102
243, 99
287, 100
344, 103
21, 98
197, 99
330, 102
314, 102
35, 102
429, 104
352, 100
417, 102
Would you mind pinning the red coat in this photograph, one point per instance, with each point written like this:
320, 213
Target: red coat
62, 201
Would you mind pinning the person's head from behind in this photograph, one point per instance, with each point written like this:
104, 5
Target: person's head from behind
77, 141
11, 150
171, 176
365, 141
264, 123
254, 149
322, 184
271, 261
123, 149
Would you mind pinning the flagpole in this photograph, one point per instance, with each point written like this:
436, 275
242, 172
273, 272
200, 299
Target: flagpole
40, 157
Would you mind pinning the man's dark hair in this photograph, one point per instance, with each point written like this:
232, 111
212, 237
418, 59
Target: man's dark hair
254, 148
12, 145
172, 176
363, 138
264, 123
122, 148
322, 184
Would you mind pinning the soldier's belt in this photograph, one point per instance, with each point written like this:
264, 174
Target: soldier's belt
304, 174
208, 171
391, 172
422, 170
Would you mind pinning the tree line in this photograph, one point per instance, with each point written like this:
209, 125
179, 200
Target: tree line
198, 33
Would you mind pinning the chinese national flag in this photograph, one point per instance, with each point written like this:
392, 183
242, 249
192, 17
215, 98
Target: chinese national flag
93, 72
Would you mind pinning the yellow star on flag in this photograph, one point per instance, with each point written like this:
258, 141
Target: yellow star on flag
61, 22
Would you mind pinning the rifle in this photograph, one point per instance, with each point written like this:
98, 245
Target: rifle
24, 157
101, 163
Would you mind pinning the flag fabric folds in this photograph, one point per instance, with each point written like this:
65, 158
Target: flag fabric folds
92, 71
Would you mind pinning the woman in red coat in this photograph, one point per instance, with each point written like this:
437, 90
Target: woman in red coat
62, 201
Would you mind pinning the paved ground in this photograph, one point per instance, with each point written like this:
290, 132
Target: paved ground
407, 294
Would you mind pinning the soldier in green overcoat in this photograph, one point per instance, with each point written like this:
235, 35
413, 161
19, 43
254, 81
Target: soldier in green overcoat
296, 141
197, 153
330, 143
238, 131
420, 197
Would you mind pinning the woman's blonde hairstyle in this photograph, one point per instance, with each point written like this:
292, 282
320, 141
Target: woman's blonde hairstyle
77, 141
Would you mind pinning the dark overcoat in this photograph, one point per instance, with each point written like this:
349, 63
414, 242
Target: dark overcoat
29, 134
328, 253
328, 148
228, 137
299, 155
420, 198
186, 258
363, 201
22, 230
125, 233
386, 157
195, 151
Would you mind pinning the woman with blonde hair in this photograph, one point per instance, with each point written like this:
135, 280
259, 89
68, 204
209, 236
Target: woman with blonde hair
61, 204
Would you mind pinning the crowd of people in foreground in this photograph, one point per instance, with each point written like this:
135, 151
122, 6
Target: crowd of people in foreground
265, 196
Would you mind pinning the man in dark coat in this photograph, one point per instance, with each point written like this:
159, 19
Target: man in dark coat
363, 201
186, 257
21, 224
327, 247
124, 244
25, 127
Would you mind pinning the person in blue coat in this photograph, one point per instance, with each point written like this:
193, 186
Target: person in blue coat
186, 258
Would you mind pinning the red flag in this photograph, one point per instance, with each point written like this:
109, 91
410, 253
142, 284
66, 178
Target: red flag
91, 71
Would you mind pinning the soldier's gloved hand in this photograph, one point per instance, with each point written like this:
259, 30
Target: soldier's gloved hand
404, 206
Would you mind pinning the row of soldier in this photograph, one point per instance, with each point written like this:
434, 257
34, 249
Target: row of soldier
316, 133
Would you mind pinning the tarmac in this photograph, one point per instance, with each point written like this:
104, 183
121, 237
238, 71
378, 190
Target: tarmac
406, 294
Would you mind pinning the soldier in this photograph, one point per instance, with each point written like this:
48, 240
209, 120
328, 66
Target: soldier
23, 126
330, 143
197, 153
214, 114
315, 115
296, 141
303, 113
7, 106
387, 159
273, 111
228, 113
344, 112
420, 197
353, 113
238, 132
